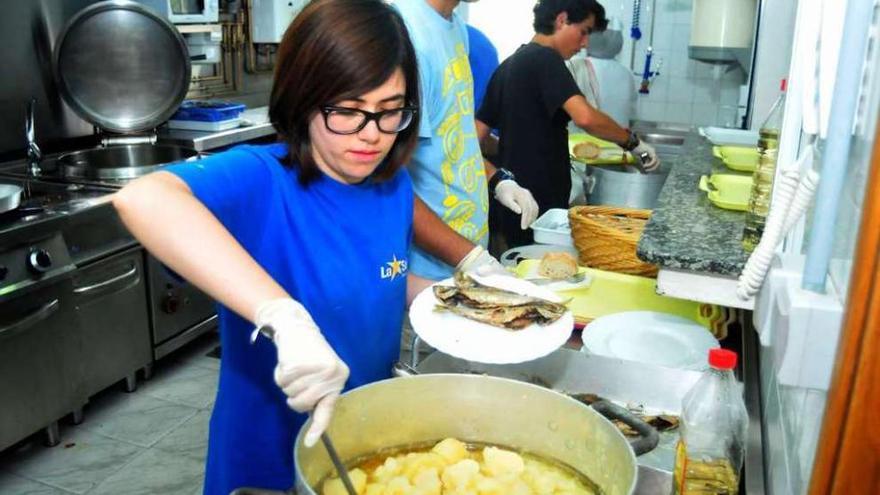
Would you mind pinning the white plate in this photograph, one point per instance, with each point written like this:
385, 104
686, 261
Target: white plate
650, 337
474, 341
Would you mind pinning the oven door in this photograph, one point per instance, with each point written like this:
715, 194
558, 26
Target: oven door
111, 299
39, 359
179, 311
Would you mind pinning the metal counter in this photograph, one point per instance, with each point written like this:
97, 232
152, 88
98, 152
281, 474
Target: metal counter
256, 125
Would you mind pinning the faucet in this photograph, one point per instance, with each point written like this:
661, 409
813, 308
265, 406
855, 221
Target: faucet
648, 75
34, 154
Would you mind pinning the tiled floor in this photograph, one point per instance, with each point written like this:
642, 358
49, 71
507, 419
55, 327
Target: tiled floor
152, 441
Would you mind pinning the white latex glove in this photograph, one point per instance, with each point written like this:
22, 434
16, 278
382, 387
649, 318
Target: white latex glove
479, 261
646, 154
518, 200
308, 370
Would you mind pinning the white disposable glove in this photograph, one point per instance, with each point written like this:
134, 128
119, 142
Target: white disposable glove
518, 200
308, 370
479, 261
645, 153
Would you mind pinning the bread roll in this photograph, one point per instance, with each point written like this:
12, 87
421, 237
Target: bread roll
587, 150
557, 266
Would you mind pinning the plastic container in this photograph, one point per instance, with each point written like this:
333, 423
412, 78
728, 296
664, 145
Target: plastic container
739, 158
727, 191
552, 228
721, 136
714, 421
762, 178
207, 115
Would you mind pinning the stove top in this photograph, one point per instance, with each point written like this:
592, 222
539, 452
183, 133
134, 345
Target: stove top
51, 172
43, 200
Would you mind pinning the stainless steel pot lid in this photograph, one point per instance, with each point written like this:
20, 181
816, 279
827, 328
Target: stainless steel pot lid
121, 67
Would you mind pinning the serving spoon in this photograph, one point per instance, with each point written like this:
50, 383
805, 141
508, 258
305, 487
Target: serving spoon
337, 463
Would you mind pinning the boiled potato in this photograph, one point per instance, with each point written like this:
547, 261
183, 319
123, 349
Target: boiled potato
498, 462
449, 468
358, 480
451, 449
399, 485
415, 463
461, 474
427, 482
389, 469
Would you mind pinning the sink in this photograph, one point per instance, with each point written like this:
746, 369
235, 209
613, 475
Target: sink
666, 138
662, 139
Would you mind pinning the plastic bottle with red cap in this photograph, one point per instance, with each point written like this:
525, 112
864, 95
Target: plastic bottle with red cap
709, 454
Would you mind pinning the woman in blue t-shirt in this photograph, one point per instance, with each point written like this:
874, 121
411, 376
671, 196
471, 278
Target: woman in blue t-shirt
307, 238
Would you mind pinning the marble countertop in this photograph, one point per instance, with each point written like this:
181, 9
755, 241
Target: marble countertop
686, 231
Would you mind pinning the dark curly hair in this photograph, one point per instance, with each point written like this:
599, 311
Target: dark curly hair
577, 10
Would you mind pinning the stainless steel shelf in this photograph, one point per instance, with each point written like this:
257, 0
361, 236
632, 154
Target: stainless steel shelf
258, 118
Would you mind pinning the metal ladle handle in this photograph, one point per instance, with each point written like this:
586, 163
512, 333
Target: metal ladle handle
337, 463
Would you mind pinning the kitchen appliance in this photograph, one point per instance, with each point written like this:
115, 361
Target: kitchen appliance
125, 88
722, 31
270, 18
625, 185
65, 300
424, 408
185, 11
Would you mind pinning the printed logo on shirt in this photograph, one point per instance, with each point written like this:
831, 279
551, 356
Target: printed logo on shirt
462, 169
393, 269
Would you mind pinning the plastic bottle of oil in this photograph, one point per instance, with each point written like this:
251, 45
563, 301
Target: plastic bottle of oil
710, 451
762, 178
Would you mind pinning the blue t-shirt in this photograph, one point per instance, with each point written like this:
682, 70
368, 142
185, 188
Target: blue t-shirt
447, 167
483, 58
340, 250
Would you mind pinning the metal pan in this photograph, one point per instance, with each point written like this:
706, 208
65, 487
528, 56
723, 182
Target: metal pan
10, 197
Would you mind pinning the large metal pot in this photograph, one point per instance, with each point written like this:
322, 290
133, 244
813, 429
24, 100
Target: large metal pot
423, 408
617, 185
120, 162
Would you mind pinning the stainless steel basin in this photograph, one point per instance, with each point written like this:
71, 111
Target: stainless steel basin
662, 139
667, 139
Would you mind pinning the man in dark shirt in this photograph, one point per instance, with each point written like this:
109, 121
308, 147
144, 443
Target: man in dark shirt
531, 98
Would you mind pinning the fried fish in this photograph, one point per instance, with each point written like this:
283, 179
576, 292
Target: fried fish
498, 307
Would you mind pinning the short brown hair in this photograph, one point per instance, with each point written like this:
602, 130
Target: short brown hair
335, 50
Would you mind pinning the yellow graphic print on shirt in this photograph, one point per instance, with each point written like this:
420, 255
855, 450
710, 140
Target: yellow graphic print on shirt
462, 169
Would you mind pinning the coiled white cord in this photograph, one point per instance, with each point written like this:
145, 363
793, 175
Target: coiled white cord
792, 196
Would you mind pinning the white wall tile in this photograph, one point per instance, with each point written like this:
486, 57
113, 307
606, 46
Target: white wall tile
707, 91
680, 90
650, 110
679, 113
704, 114
663, 36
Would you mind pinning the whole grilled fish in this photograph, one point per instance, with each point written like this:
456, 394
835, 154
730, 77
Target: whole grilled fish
495, 306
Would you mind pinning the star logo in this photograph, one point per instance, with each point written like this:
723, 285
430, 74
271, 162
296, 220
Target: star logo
393, 268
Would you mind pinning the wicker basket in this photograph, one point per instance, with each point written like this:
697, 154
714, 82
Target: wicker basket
606, 238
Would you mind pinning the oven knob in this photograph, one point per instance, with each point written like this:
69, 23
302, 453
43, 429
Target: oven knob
39, 261
170, 304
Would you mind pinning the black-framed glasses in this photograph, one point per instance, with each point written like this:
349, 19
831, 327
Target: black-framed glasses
344, 120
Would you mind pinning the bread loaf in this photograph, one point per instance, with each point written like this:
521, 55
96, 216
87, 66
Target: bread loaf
587, 150
557, 266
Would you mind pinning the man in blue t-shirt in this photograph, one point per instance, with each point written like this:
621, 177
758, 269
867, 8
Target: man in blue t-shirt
483, 58
448, 172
